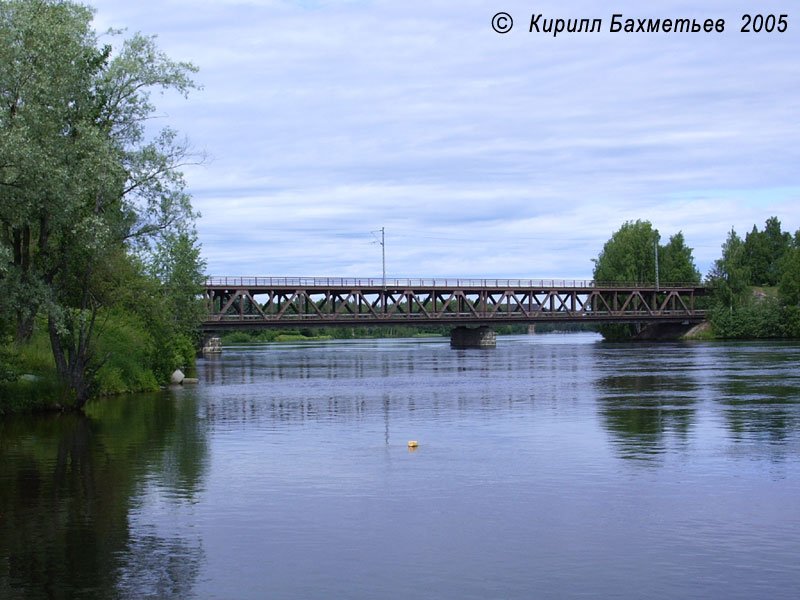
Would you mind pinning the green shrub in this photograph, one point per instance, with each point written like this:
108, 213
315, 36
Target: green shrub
237, 337
28, 395
36, 356
132, 355
757, 319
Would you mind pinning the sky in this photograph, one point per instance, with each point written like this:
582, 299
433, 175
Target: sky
480, 154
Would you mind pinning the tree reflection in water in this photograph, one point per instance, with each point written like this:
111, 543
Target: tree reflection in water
752, 388
69, 488
643, 412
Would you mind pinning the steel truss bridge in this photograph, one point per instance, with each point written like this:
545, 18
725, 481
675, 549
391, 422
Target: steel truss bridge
286, 302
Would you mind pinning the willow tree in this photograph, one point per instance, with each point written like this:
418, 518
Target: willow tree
81, 181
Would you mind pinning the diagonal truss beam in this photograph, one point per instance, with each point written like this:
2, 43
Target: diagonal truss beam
373, 305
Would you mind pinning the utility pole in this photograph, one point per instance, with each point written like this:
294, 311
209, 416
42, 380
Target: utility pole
382, 242
656, 251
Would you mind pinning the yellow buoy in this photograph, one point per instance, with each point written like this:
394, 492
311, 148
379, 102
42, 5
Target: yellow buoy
413, 444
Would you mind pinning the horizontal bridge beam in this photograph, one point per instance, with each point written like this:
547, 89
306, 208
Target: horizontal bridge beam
440, 283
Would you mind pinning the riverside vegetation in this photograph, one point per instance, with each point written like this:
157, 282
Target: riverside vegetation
755, 284
99, 261
402, 331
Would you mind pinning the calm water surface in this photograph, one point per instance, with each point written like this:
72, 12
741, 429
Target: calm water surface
551, 467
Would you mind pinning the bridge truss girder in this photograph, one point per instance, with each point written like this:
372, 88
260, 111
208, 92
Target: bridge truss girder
325, 306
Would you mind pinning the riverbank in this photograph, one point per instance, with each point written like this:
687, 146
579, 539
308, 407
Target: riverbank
701, 332
136, 361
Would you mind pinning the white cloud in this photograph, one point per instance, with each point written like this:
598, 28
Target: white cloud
482, 154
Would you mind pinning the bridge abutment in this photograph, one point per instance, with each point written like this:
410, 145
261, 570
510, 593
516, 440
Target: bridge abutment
480, 337
212, 344
661, 332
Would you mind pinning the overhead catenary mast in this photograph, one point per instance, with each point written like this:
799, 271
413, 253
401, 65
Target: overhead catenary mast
382, 242
656, 252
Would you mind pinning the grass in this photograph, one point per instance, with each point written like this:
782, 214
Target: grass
45, 392
770, 291
290, 337
33, 383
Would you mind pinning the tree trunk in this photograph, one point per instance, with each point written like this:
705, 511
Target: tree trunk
26, 313
71, 366
74, 358
24, 331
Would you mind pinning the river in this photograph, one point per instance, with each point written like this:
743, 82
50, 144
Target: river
554, 466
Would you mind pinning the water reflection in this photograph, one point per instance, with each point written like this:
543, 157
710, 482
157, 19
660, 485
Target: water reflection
646, 397
759, 391
69, 485
645, 410
357, 381
154, 566
286, 472
652, 398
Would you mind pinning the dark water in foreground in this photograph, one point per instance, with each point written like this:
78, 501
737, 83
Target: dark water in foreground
551, 467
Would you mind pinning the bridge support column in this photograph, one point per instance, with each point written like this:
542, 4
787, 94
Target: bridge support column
212, 344
481, 337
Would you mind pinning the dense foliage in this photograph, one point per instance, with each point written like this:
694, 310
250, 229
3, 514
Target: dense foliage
634, 255
97, 247
756, 284
630, 256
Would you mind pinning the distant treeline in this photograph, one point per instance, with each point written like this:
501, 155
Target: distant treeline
401, 331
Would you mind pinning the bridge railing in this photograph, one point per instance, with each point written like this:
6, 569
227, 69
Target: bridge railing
344, 282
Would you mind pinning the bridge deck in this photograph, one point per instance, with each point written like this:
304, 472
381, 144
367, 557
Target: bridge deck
272, 302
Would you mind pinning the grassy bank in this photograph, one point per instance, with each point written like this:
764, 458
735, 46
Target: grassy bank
137, 359
29, 381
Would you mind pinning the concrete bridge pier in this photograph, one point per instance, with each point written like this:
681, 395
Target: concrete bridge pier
480, 337
660, 332
212, 344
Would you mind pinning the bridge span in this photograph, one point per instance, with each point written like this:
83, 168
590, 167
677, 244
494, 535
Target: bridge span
286, 302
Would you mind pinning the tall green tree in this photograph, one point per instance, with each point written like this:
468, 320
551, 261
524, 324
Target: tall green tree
765, 251
82, 185
179, 271
49, 57
730, 274
178, 266
676, 262
789, 285
629, 255
756, 256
